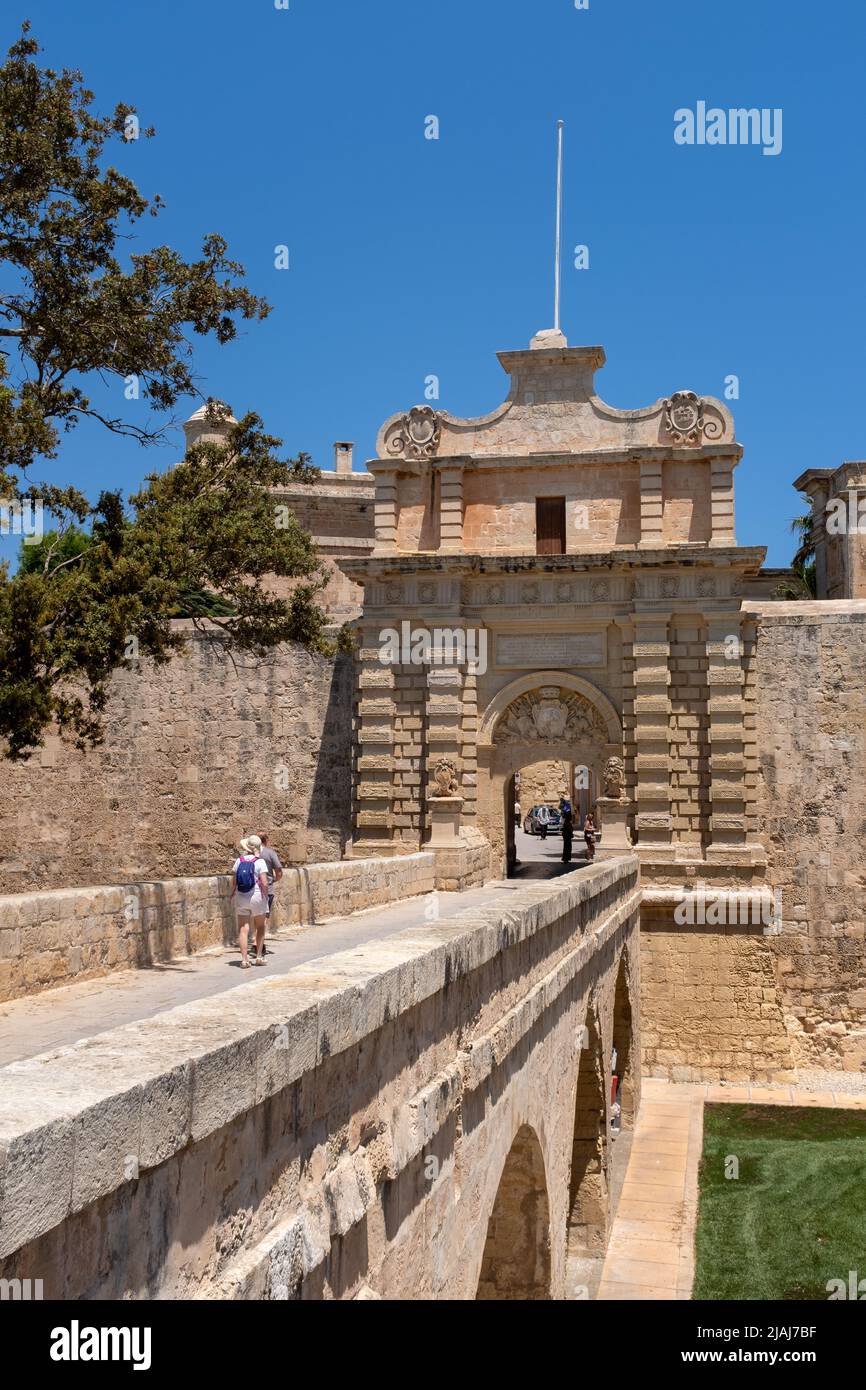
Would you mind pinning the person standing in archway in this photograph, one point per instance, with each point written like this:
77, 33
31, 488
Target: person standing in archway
567, 831
589, 835
543, 820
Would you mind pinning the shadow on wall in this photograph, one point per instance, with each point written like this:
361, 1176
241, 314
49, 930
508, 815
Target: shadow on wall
330, 809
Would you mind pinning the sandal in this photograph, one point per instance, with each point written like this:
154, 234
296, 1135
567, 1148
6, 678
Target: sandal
245, 965
260, 960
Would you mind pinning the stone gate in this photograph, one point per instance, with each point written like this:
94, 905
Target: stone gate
576, 569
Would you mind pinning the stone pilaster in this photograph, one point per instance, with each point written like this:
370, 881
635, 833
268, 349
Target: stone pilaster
629, 748
385, 511
444, 713
376, 712
651, 504
451, 509
727, 735
410, 755
469, 747
722, 501
653, 820
689, 765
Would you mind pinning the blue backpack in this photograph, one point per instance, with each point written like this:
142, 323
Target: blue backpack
245, 875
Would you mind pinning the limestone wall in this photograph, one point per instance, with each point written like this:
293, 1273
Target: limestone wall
786, 990
544, 781
52, 938
339, 1131
811, 737
196, 754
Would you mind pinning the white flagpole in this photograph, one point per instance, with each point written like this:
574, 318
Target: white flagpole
560, 125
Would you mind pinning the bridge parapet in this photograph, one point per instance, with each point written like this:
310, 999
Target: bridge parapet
341, 1131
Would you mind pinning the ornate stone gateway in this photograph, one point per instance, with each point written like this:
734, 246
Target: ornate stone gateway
573, 574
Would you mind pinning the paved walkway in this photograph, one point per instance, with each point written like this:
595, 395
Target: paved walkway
650, 1254
60, 1017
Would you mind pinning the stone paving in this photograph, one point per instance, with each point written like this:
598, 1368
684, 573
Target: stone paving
62, 1017
650, 1254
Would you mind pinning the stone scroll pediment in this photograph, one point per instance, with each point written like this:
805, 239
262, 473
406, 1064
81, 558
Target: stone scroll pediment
553, 407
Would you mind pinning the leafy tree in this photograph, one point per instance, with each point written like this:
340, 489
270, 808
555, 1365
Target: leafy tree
100, 590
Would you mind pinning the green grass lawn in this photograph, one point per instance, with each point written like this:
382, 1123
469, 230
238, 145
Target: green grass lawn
796, 1215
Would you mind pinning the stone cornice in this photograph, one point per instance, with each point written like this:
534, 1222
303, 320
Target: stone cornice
746, 560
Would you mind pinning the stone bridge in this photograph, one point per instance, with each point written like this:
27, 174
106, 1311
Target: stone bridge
419, 1116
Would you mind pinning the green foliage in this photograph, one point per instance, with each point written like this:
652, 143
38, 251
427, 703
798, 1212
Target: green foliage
199, 540
99, 592
53, 549
796, 1215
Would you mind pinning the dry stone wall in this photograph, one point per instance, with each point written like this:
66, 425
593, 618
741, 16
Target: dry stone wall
196, 754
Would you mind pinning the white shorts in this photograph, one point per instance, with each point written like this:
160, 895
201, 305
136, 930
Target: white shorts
250, 905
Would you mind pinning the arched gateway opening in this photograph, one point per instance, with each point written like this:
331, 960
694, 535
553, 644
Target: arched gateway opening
550, 719
516, 1261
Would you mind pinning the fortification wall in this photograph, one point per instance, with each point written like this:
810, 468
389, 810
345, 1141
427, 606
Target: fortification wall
811, 737
785, 990
196, 754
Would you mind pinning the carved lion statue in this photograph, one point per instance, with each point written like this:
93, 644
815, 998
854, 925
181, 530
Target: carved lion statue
614, 778
445, 777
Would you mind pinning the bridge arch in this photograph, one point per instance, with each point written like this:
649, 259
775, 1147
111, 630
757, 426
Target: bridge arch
516, 1261
588, 1196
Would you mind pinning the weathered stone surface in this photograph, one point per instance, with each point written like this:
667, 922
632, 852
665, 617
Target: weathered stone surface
85, 932
196, 754
274, 1166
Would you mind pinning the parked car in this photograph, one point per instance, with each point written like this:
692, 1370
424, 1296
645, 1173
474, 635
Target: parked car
554, 824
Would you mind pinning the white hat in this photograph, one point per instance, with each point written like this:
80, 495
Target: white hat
251, 844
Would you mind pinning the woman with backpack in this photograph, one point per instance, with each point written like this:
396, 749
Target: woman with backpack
250, 894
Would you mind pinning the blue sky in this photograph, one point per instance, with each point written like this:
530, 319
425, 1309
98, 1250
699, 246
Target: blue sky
412, 257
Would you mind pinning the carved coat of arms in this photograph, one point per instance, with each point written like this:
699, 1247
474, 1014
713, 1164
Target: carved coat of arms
545, 716
416, 436
687, 421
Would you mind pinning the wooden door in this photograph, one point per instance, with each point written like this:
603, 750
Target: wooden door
550, 525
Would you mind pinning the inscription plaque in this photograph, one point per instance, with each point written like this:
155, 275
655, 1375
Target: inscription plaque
550, 650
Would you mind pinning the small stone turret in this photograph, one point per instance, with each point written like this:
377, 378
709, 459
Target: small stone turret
198, 429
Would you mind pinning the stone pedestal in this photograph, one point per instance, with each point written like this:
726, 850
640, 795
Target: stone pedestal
613, 814
445, 814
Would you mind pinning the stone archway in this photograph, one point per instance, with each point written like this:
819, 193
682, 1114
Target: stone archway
516, 1260
550, 715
